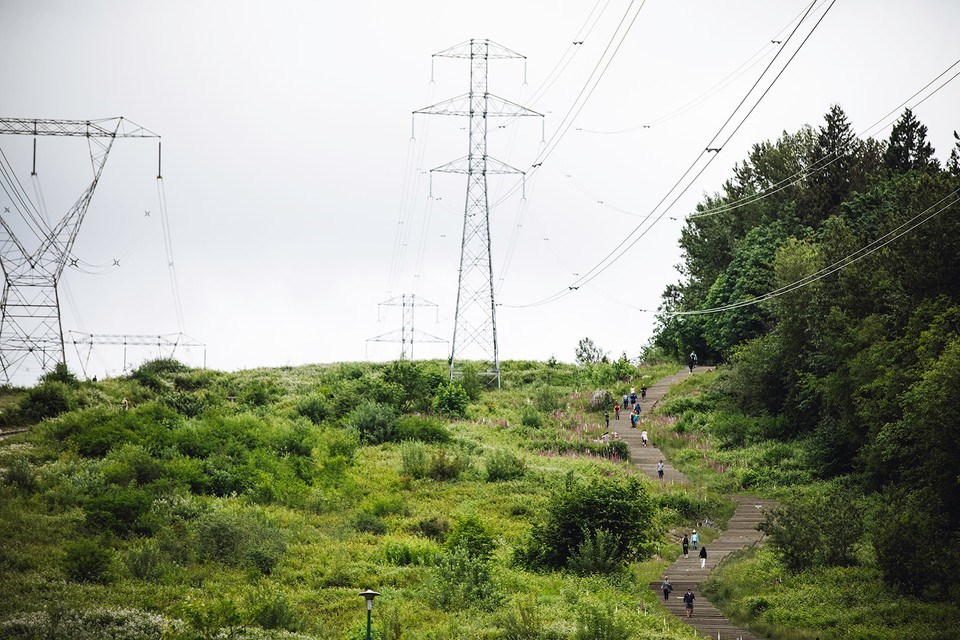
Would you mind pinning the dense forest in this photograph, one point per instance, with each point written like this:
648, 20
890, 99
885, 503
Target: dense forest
826, 274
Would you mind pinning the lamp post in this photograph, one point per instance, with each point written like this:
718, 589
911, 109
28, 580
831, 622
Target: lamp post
369, 594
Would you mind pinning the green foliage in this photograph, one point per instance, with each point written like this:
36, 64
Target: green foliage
530, 417
602, 623
47, 400
620, 507
410, 552
119, 510
451, 399
367, 522
522, 620
20, 473
422, 428
462, 581
88, 561
240, 539
598, 552
270, 608
446, 464
819, 530
376, 423
414, 460
313, 407
60, 373
504, 465
468, 534
588, 353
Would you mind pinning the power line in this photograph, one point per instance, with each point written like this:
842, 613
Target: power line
626, 244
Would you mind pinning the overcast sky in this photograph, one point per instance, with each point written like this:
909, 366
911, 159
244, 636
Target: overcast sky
289, 167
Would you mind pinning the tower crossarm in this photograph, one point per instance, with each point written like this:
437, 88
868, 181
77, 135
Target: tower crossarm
468, 49
102, 128
496, 107
462, 165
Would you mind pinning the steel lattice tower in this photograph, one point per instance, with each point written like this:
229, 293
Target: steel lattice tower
475, 323
30, 325
408, 334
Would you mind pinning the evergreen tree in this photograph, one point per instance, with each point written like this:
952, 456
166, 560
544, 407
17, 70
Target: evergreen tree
908, 148
953, 164
834, 165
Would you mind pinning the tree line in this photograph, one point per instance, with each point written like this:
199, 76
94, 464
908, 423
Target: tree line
857, 350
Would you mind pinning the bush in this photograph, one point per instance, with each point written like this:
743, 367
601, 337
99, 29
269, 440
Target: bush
522, 621
239, 539
434, 528
470, 535
404, 553
595, 623
269, 608
313, 407
366, 522
461, 581
120, 510
21, 474
451, 400
598, 552
146, 561
422, 428
620, 507
504, 465
47, 400
413, 460
376, 423
531, 418
88, 561
447, 466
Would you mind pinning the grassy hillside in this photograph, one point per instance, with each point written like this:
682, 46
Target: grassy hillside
183, 503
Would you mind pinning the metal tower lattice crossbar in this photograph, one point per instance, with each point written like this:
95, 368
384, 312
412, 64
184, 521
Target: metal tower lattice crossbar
475, 325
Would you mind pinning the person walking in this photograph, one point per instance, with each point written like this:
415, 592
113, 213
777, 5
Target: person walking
616, 411
633, 421
626, 401
686, 546
643, 437
633, 398
667, 588
694, 538
660, 469
643, 393
606, 416
703, 557
688, 602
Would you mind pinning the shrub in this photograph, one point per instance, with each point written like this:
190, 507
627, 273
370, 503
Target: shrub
598, 552
447, 466
60, 373
470, 535
620, 507
119, 510
504, 465
313, 407
146, 561
531, 418
522, 621
47, 400
387, 505
21, 474
596, 623
461, 581
434, 528
366, 522
88, 561
65, 624
376, 423
451, 400
546, 399
416, 552
413, 460
269, 608
239, 539
422, 428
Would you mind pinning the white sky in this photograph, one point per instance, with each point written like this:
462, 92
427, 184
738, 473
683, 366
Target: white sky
286, 131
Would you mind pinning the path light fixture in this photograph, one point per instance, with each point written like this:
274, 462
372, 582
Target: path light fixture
369, 594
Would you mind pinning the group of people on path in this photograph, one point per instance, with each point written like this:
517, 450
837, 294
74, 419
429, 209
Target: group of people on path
688, 597
694, 538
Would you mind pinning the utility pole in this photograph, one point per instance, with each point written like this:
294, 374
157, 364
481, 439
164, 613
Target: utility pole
475, 323
30, 326
407, 333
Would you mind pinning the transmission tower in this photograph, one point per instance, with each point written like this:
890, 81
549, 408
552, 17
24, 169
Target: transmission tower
475, 323
407, 333
30, 326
